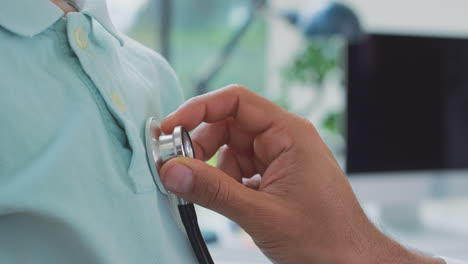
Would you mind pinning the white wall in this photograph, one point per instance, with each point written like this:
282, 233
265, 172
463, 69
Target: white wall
416, 17
439, 17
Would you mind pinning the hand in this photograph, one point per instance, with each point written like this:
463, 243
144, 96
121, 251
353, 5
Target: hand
277, 179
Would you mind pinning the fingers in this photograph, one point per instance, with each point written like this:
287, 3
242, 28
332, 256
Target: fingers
252, 126
209, 187
236, 116
208, 138
252, 112
253, 182
237, 165
227, 162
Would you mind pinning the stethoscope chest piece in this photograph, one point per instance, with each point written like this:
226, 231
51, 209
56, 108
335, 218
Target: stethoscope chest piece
161, 148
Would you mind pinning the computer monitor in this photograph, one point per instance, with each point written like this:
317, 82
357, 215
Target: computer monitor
407, 106
407, 118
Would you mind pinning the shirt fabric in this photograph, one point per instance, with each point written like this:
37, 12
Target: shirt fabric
75, 186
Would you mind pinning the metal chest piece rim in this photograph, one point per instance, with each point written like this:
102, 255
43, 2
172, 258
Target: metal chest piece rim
161, 148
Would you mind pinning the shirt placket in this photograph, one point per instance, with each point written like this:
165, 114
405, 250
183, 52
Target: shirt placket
102, 67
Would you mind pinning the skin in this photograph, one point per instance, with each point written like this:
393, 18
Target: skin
276, 179
299, 208
64, 6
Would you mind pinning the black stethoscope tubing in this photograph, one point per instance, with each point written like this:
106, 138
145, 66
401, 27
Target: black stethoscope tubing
189, 218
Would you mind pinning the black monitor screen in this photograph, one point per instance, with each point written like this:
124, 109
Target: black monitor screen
407, 104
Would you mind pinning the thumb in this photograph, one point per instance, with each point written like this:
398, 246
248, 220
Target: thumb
198, 182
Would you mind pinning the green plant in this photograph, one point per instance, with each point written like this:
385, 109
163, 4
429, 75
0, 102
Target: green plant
310, 68
314, 63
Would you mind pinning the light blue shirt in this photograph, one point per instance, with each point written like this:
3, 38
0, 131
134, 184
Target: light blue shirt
75, 186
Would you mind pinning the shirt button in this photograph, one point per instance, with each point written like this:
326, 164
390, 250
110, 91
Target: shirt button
118, 102
81, 39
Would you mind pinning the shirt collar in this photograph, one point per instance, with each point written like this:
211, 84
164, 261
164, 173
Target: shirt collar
31, 17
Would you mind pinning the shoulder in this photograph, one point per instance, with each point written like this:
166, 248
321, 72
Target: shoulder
142, 53
153, 67
12, 47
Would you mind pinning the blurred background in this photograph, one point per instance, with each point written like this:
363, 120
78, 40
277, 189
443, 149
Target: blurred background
383, 81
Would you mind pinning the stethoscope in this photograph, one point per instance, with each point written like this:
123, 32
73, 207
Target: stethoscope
161, 148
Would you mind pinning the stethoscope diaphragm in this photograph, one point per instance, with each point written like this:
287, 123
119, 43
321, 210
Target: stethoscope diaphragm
161, 148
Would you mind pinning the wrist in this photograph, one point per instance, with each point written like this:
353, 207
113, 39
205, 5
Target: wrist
406, 256
378, 248
386, 250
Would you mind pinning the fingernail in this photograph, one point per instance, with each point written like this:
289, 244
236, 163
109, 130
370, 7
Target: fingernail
178, 178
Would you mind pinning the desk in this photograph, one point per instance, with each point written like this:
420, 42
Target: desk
427, 211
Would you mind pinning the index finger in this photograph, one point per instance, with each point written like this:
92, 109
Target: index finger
252, 112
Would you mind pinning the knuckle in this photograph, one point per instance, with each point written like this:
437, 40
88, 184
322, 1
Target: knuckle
283, 140
195, 100
225, 150
307, 125
222, 153
285, 134
306, 122
238, 88
218, 195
